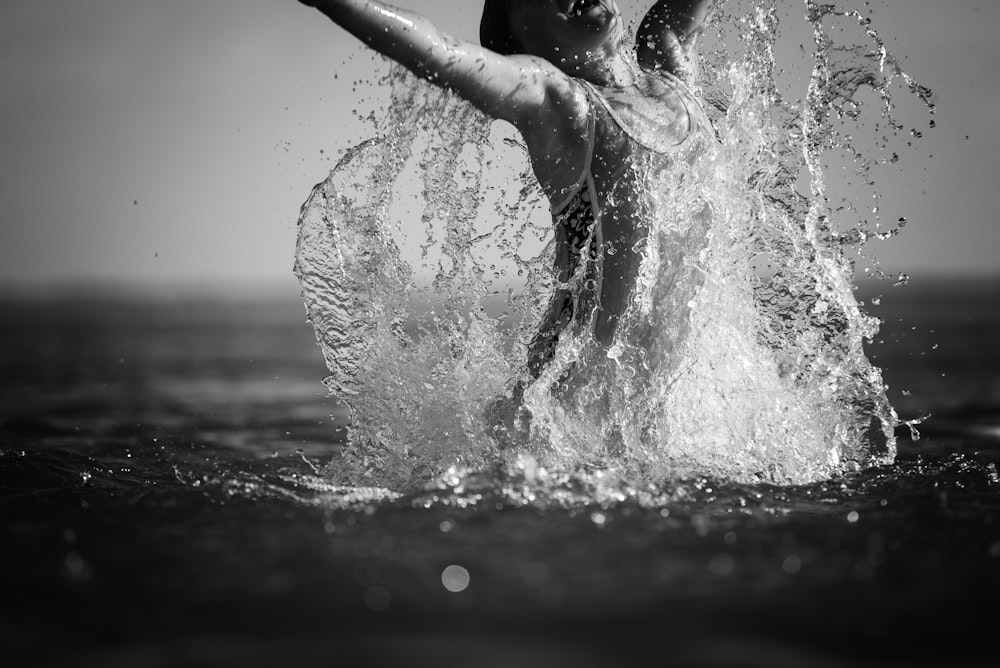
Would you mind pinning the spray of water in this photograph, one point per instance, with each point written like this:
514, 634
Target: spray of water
424, 261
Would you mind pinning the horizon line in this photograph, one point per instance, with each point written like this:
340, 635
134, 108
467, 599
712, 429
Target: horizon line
273, 288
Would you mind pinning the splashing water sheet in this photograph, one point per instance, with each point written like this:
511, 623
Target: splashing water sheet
424, 260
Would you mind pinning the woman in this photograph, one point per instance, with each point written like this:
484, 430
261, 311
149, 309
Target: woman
591, 114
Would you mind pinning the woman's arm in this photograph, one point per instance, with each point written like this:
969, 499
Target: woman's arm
666, 35
514, 89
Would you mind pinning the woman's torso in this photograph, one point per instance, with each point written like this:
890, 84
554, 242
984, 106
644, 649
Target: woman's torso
601, 221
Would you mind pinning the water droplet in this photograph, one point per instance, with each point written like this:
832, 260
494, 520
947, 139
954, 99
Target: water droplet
455, 578
792, 564
75, 568
722, 564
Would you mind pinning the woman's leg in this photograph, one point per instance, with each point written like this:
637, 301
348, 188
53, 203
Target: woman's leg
542, 348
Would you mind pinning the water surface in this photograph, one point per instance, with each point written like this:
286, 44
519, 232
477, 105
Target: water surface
162, 504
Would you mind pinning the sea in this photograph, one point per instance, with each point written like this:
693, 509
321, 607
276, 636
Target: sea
164, 502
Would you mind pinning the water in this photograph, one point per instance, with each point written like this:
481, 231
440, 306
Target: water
740, 355
175, 492
157, 510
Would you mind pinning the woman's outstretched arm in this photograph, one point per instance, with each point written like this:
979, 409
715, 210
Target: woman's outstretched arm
514, 89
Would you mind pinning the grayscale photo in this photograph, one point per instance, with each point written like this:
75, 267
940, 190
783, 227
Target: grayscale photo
528, 333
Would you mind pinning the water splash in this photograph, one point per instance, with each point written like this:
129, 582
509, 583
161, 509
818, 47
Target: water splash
424, 263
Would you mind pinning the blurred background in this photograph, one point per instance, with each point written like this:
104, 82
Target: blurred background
169, 145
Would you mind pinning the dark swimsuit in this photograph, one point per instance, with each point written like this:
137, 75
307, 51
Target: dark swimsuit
622, 121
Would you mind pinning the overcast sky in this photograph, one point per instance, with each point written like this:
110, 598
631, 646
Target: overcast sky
151, 142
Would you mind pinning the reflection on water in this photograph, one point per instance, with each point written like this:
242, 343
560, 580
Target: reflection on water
162, 505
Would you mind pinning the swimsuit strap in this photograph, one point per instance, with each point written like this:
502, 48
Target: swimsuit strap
683, 95
583, 179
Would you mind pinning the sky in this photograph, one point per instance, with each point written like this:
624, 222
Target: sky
149, 143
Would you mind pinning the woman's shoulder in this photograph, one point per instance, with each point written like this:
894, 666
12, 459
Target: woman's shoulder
532, 66
564, 93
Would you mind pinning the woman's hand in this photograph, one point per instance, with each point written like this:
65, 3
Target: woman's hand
666, 37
